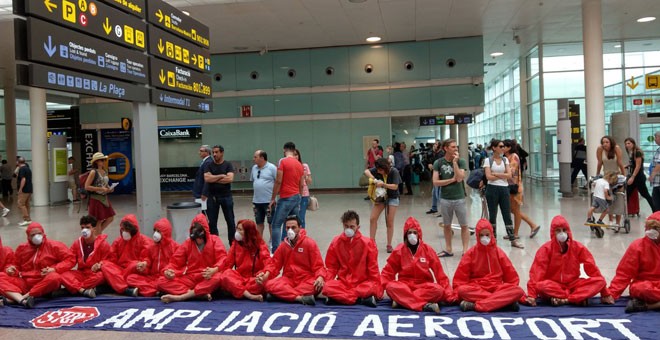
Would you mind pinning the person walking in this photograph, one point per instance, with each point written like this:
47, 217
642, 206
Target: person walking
610, 159
516, 191
24, 182
636, 176
579, 162
97, 185
7, 175
307, 180
654, 177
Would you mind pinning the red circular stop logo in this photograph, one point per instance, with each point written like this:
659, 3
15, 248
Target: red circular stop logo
65, 317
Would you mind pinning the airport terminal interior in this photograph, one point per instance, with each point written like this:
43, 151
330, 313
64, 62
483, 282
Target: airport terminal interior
331, 76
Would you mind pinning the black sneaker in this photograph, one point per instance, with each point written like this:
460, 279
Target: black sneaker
591, 220
370, 302
431, 211
600, 222
331, 302
308, 300
432, 307
367, 198
514, 307
636, 305
131, 291
270, 297
28, 302
467, 306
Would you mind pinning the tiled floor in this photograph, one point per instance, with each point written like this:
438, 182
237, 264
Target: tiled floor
543, 202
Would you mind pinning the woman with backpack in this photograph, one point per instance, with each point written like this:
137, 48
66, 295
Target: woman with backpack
498, 172
98, 189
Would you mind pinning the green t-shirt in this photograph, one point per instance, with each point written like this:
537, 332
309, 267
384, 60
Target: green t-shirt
445, 169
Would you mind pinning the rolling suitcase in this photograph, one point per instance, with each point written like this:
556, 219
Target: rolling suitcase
633, 203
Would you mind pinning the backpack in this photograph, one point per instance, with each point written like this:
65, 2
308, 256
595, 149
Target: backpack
82, 179
477, 176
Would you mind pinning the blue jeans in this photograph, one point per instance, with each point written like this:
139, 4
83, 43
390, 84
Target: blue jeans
304, 202
213, 204
436, 197
285, 207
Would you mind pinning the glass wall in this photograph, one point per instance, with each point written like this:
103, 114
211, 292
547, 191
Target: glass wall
556, 71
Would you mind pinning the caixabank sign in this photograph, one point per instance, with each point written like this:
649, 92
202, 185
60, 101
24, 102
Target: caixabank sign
180, 132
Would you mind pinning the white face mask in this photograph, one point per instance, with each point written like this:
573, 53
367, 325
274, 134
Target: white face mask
157, 236
412, 239
237, 236
562, 237
485, 240
349, 232
652, 234
37, 239
126, 235
291, 234
86, 232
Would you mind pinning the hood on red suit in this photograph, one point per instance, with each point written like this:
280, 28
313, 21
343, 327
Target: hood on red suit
132, 220
201, 219
654, 216
560, 222
32, 226
412, 223
481, 225
165, 228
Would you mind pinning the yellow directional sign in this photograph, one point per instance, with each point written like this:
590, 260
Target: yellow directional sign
161, 77
652, 81
106, 26
632, 84
50, 6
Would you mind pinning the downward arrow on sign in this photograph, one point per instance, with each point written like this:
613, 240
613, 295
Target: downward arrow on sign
106, 26
50, 49
162, 77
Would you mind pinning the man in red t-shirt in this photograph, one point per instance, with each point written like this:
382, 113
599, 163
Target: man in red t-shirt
289, 185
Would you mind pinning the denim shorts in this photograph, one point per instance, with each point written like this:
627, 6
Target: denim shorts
394, 202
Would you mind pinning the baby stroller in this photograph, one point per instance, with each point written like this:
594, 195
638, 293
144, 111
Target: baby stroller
618, 206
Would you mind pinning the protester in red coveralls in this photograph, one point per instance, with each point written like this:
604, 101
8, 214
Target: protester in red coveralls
485, 279
7, 260
300, 261
640, 268
352, 266
154, 259
125, 253
422, 282
88, 250
555, 273
194, 270
37, 269
247, 256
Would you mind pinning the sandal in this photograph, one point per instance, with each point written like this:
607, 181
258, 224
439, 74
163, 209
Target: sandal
517, 244
390, 249
535, 231
28, 302
445, 254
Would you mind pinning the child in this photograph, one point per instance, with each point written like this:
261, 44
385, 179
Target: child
602, 198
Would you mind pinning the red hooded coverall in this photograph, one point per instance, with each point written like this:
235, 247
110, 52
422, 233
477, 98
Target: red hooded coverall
301, 264
188, 262
241, 268
31, 259
124, 256
486, 277
352, 269
640, 268
421, 277
557, 275
157, 257
84, 277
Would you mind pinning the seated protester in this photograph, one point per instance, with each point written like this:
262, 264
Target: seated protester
485, 279
555, 273
301, 264
352, 266
154, 259
37, 269
421, 282
640, 268
125, 253
194, 269
247, 256
88, 250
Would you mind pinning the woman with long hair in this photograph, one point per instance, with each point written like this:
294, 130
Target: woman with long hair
304, 199
384, 176
610, 159
248, 255
516, 198
636, 175
497, 190
97, 185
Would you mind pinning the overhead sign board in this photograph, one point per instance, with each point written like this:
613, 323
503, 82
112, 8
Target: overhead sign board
446, 120
89, 17
135, 7
167, 46
180, 101
174, 21
52, 44
180, 79
54, 78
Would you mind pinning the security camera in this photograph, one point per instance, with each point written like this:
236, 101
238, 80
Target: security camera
451, 62
409, 65
291, 73
263, 51
329, 70
368, 68
254, 75
217, 77
476, 81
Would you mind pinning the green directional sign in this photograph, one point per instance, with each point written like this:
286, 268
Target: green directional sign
89, 17
174, 21
50, 77
135, 7
51, 44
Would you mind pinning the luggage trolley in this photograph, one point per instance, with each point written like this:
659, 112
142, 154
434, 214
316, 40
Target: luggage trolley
618, 207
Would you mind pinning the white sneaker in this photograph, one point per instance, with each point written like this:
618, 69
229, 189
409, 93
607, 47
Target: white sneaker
5, 212
25, 223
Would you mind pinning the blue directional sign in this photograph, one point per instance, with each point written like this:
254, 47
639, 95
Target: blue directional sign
54, 78
51, 44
